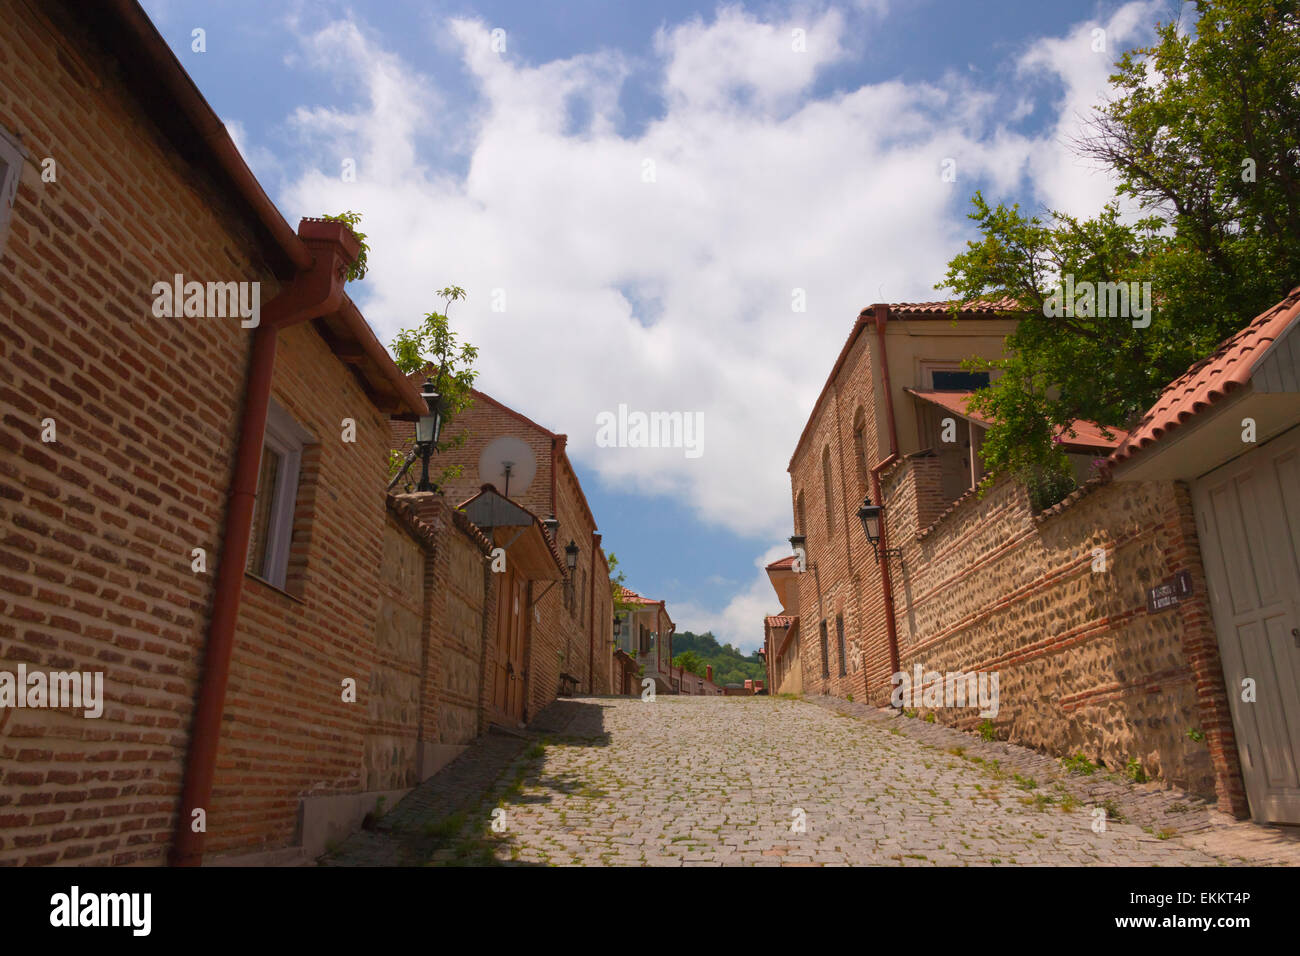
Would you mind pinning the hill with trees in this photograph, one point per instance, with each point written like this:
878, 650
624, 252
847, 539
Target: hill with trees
730, 666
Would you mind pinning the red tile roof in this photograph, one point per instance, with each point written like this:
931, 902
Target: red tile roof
778, 620
1212, 378
785, 564
974, 309
631, 597
1086, 434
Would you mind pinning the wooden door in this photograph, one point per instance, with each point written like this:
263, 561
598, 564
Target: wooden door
508, 680
1248, 514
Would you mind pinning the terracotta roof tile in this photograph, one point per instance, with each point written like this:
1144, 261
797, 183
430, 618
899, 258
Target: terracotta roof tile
973, 307
785, 564
1212, 378
631, 597
778, 620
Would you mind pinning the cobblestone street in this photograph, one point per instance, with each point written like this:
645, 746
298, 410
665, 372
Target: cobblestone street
711, 781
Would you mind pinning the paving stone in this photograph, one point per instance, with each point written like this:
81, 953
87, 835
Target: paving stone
711, 781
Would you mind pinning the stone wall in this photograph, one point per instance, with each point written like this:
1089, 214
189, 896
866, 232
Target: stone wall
571, 629
391, 756
1056, 605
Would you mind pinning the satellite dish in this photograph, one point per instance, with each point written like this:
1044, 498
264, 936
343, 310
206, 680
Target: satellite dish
508, 464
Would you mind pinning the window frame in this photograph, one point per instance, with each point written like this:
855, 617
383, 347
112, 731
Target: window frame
15, 158
826, 660
286, 438
839, 645
929, 368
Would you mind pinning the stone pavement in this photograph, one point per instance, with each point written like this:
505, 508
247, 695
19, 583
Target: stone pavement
712, 781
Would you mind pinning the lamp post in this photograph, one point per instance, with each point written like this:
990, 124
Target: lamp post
427, 430
571, 562
871, 517
552, 525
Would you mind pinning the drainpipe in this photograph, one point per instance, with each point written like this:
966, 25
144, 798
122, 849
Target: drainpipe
886, 584
313, 292
591, 616
555, 458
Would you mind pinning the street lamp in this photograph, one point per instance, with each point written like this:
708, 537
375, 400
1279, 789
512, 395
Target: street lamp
871, 517
427, 430
571, 555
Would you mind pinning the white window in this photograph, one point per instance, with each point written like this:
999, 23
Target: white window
11, 169
277, 496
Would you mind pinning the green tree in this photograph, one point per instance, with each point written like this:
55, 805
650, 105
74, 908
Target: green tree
1203, 131
434, 346
617, 584
357, 270
690, 661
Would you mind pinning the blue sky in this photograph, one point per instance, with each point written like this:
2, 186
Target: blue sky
781, 161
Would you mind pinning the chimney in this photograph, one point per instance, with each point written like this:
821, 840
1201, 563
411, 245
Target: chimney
708, 672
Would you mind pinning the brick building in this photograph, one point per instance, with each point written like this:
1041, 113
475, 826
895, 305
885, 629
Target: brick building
695, 685
781, 631
1093, 614
192, 496
565, 641
645, 631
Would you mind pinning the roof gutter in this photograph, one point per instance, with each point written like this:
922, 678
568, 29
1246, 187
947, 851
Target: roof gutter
312, 293
591, 615
171, 76
882, 546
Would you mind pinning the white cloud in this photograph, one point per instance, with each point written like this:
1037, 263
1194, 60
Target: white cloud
740, 622
1068, 182
674, 294
740, 60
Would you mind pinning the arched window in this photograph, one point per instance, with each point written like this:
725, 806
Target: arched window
801, 522
860, 447
826, 490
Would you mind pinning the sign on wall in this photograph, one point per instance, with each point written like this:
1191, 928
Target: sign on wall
1169, 594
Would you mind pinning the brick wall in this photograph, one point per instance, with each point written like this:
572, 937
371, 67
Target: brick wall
287, 731
842, 576
567, 634
1083, 666
394, 695
96, 530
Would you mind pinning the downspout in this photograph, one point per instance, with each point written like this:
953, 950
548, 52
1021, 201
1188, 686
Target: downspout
313, 292
555, 446
591, 617
886, 584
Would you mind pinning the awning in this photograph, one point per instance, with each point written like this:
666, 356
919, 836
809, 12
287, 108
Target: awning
1087, 436
509, 525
